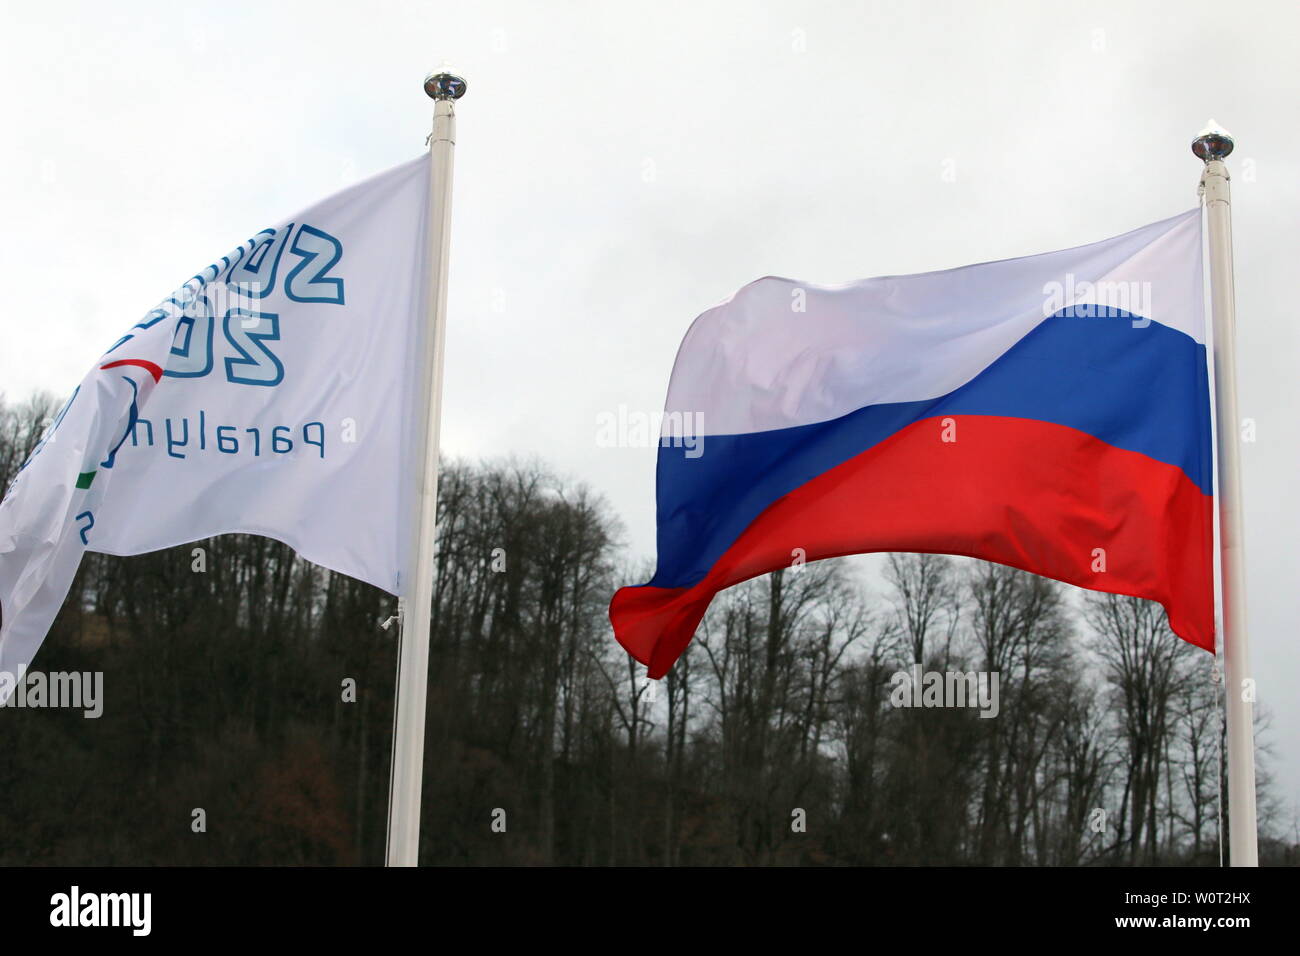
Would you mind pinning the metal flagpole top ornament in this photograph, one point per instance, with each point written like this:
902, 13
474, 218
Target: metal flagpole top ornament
1210, 144
444, 86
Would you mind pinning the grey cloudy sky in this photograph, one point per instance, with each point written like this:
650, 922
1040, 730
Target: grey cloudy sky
623, 166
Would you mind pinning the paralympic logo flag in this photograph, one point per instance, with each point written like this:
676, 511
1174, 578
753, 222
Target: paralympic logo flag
1050, 413
270, 394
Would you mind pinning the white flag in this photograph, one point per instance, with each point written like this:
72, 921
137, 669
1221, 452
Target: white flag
271, 394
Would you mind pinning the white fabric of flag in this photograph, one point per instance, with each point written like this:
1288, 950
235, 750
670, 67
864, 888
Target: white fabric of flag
271, 394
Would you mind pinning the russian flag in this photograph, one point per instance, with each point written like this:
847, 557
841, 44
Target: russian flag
1051, 413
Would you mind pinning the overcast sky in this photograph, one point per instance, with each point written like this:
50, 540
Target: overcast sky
623, 166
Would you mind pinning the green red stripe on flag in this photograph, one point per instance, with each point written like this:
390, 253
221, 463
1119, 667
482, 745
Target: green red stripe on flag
86, 477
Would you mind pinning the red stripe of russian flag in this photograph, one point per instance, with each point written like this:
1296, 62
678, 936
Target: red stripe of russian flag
1029, 494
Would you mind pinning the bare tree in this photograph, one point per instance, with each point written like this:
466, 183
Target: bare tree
1147, 667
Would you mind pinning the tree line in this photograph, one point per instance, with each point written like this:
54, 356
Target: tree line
248, 710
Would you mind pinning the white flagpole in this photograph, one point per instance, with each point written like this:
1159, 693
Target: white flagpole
1212, 146
417, 586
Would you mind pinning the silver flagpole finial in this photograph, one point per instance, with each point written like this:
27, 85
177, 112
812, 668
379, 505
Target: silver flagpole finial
444, 86
1210, 144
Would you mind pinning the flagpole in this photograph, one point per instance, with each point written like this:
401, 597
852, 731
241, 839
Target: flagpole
1212, 145
416, 603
